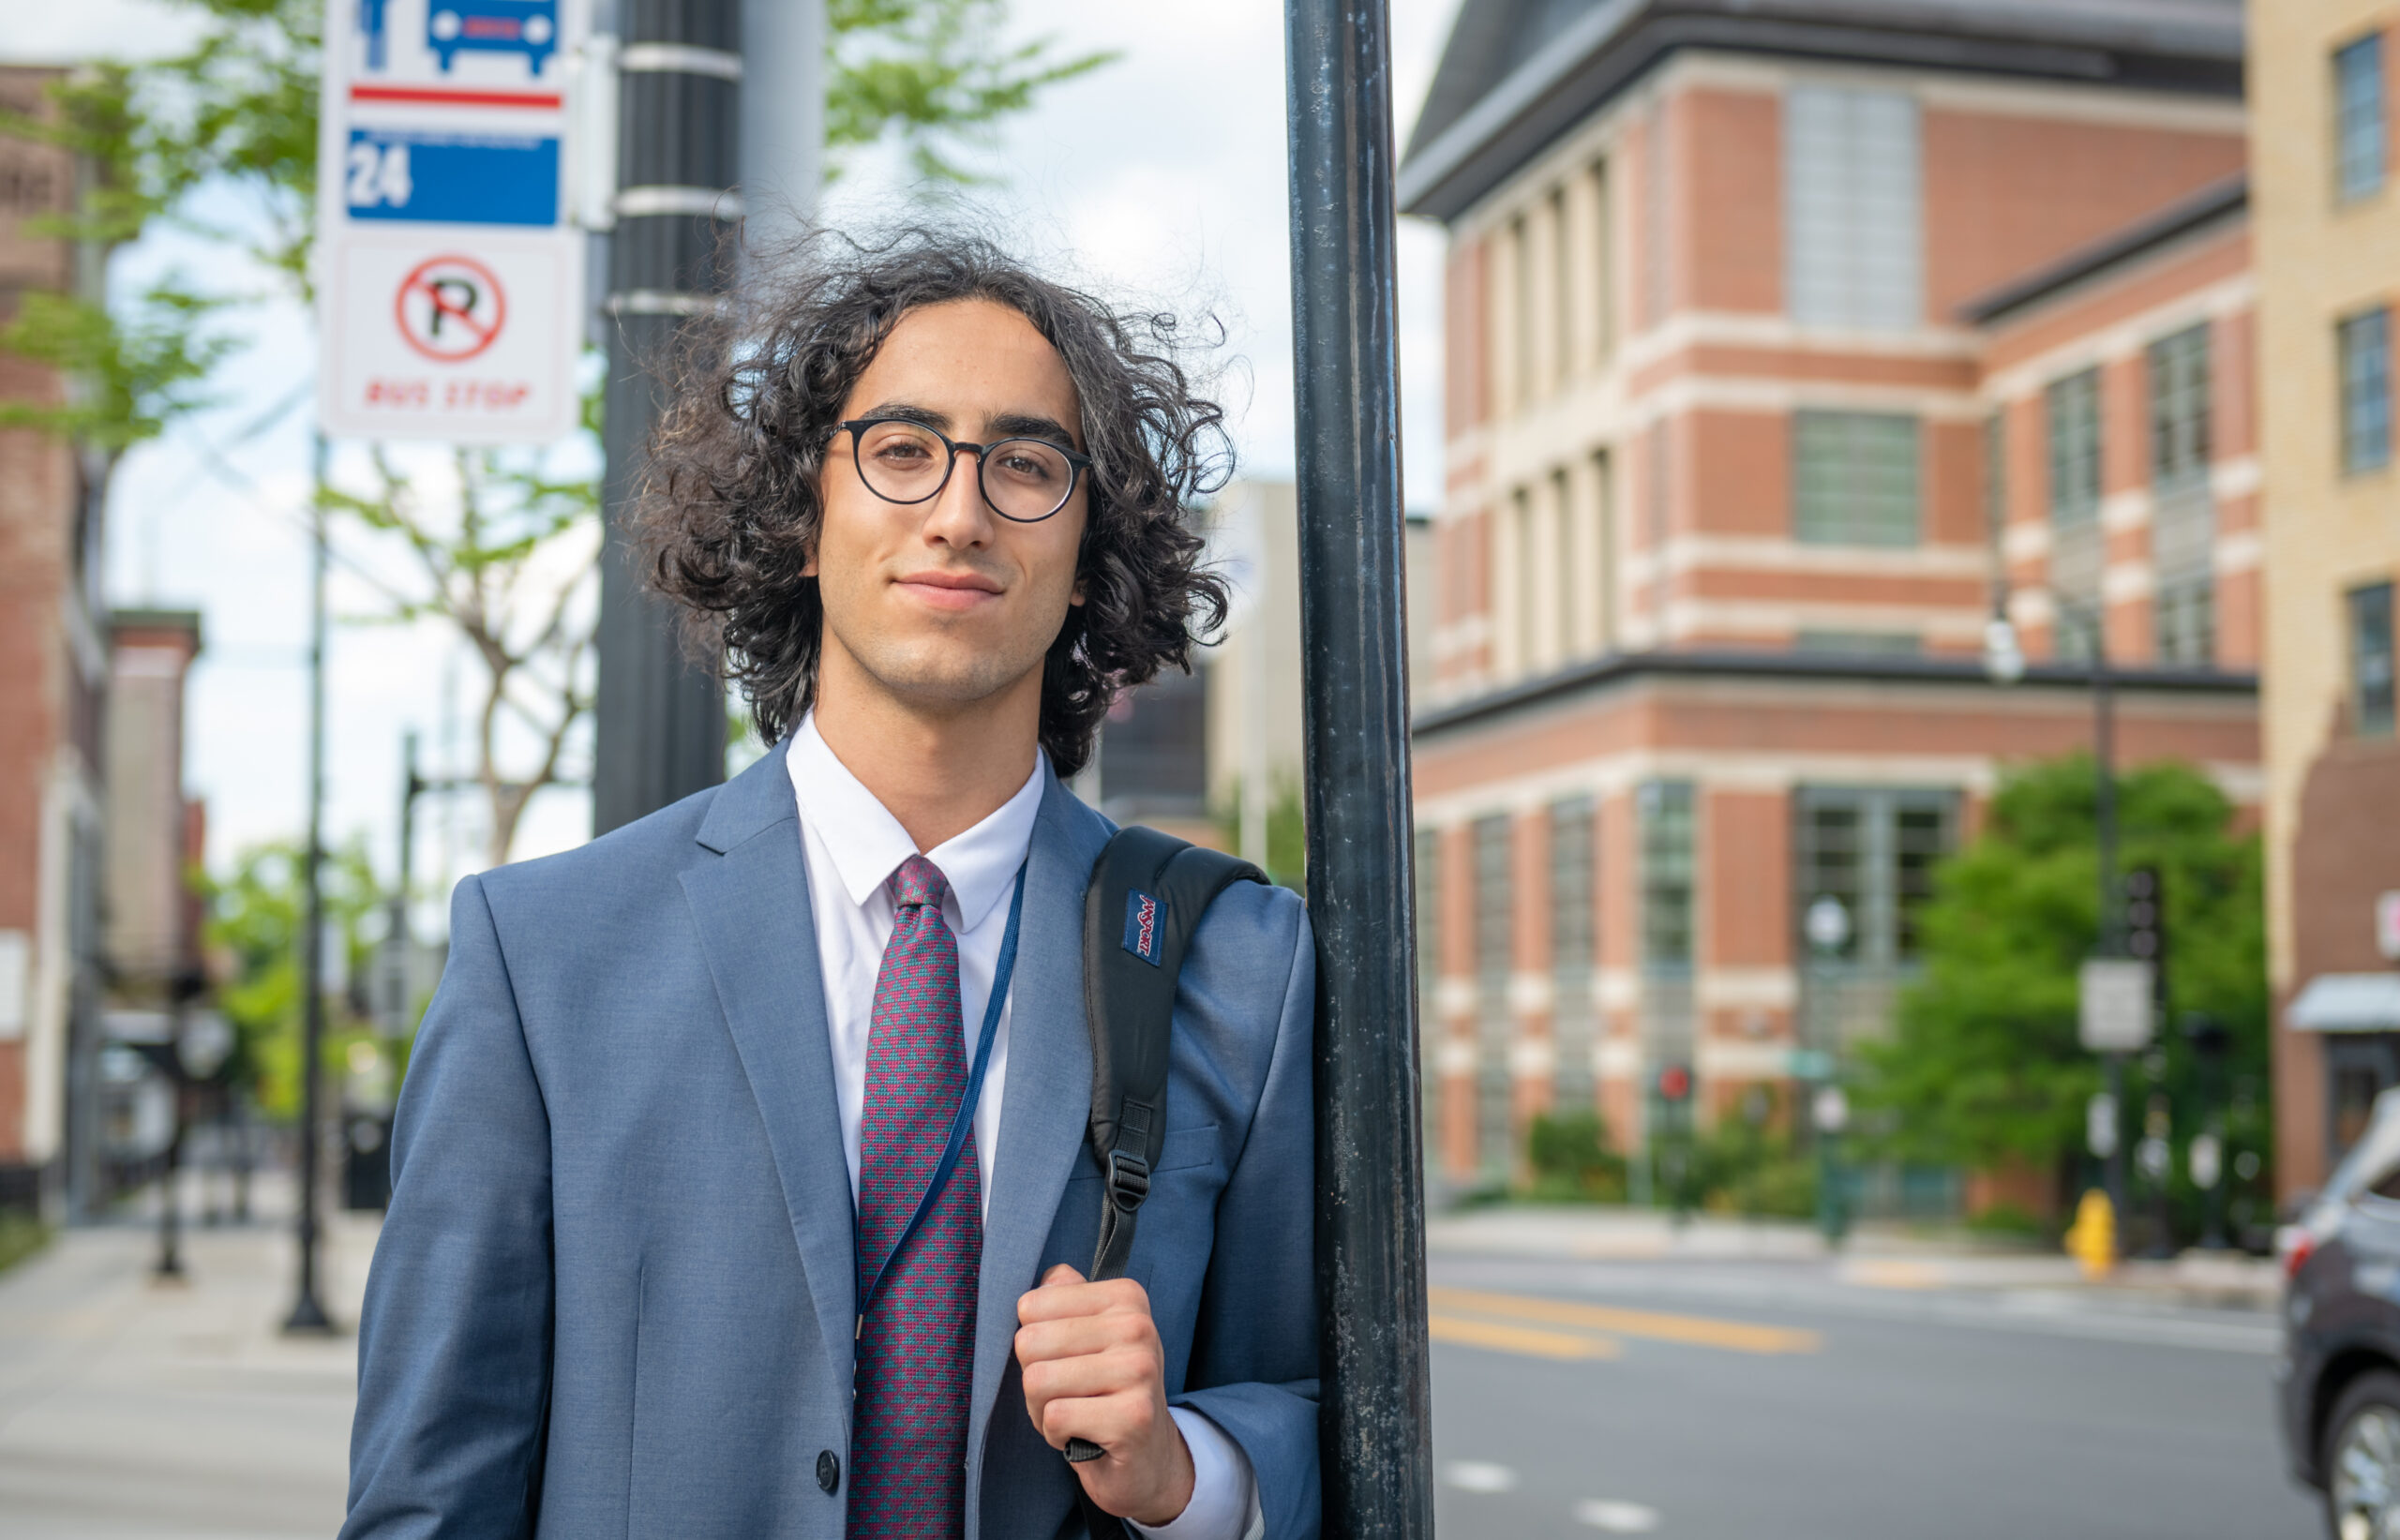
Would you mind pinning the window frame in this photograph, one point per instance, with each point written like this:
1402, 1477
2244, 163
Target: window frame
2374, 699
2363, 379
2360, 124
1835, 514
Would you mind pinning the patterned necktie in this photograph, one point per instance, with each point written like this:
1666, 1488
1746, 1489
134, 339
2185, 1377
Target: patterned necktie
917, 1343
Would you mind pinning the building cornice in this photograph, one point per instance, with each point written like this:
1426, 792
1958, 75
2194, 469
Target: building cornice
1783, 667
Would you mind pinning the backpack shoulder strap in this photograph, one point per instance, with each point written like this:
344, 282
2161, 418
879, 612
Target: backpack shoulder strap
1147, 893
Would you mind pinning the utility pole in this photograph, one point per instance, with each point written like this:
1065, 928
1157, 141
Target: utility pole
659, 729
307, 1315
2112, 930
1376, 1427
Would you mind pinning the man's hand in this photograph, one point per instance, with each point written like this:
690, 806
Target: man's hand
1094, 1369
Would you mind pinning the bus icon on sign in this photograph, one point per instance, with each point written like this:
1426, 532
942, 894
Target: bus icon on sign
529, 27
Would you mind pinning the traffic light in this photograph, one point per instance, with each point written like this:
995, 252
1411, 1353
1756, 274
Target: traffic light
1674, 1083
2145, 917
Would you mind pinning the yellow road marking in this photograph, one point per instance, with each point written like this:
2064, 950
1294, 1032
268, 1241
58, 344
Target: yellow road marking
1735, 1336
1541, 1344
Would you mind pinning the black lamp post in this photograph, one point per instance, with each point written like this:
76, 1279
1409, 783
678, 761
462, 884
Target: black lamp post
2004, 664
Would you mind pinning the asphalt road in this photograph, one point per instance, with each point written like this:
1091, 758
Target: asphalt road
1735, 1400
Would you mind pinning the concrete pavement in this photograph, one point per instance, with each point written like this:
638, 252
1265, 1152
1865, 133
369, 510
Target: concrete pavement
132, 1410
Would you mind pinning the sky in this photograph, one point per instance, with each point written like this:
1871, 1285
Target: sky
1160, 178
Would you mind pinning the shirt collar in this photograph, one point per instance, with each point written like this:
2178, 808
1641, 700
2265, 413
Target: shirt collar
867, 845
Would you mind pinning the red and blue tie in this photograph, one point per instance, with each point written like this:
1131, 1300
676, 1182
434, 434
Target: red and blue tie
916, 1347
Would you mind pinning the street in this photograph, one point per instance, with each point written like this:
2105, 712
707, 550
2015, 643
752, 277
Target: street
1592, 1374
1866, 1399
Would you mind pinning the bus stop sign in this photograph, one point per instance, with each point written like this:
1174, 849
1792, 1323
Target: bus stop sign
450, 275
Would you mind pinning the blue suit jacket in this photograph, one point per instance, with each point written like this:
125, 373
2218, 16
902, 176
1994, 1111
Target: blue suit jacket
614, 1295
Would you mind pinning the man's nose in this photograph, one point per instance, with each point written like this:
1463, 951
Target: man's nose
959, 515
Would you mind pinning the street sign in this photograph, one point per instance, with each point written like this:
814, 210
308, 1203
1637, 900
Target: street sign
2117, 1005
449, 268
2205, 1160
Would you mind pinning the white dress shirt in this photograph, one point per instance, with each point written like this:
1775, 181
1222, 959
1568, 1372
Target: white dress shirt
853, 845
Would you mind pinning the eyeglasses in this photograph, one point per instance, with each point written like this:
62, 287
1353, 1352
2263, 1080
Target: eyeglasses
1025, 480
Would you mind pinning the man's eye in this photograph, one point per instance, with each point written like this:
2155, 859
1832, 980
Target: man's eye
902, 451
1030, 467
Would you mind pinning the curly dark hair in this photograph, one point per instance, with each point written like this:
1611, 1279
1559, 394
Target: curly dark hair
729, 510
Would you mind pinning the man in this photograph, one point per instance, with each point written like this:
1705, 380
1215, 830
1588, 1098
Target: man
669, 1250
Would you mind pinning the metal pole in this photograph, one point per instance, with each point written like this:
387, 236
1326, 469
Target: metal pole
659, 723
307, 1315
2112, 930
1376, 1427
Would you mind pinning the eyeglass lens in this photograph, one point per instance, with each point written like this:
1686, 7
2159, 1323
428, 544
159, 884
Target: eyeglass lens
1023, 479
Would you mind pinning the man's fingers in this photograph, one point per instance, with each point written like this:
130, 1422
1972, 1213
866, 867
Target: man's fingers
1113, 1421
1061, 1298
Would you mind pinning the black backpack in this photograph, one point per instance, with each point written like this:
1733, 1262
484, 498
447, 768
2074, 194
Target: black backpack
1147, 893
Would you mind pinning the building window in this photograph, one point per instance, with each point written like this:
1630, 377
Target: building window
1495, 898
1871, 852
1852, 193
2072, 407
1520, 261
2364, 343
1573, 919
1668, 864
1562, 290
2358, 117
1854, 478
1603, 265
1523, 613
1566, 562
1604, 546
2182, 531
2371, 670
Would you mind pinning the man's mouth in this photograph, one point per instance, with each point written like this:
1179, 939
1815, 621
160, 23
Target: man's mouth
950, 590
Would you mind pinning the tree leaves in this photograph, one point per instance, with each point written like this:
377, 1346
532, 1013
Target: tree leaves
1985, 1068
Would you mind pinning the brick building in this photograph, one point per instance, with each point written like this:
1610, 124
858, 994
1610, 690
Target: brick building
1787, 345
54, 663
2322, 136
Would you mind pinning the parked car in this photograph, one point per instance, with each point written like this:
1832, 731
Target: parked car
2339, 1375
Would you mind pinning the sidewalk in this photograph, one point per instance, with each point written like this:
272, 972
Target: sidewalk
1875, 1256
135, 1411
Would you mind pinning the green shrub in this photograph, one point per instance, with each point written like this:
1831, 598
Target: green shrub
1571, 1159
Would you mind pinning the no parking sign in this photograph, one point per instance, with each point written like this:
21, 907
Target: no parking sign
450, 277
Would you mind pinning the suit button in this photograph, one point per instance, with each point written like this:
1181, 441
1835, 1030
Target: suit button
828, 1471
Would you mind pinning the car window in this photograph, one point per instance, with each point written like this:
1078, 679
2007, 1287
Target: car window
2372, 1165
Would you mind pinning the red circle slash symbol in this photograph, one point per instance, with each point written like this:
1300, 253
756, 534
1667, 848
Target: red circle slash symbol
450, 308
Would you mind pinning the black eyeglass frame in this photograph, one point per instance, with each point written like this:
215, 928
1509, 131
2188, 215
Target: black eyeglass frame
1077, 463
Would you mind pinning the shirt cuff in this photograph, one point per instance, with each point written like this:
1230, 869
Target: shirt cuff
1225, 1493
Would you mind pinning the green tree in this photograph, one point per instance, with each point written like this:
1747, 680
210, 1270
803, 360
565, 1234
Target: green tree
253, 929
1985, 1069
934, 78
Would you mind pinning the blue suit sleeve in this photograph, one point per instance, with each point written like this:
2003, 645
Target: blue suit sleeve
1254, 1351
454, 1345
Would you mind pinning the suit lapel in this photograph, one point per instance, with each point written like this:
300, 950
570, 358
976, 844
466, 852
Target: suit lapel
761, 940
1046, 1105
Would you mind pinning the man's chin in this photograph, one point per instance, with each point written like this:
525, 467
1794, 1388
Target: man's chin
942, 683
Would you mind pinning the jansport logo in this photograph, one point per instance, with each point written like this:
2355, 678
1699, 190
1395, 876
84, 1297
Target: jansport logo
1142, 914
